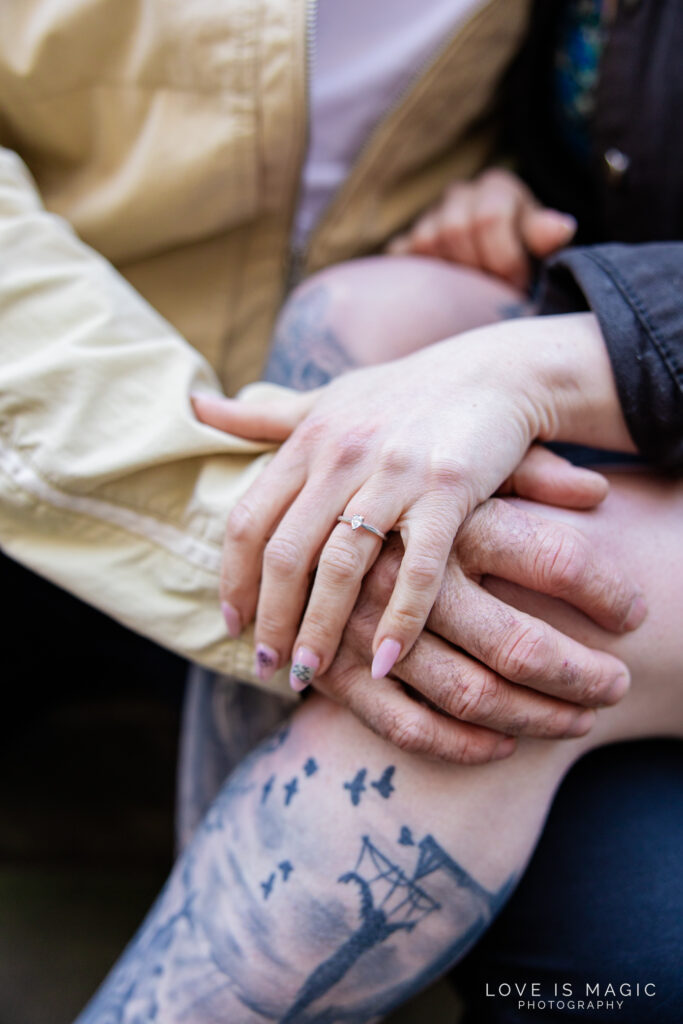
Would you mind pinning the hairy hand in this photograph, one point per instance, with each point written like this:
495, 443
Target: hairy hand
493, 223
484, 672
412, 446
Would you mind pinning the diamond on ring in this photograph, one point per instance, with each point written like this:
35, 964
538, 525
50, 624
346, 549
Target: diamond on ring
355, 521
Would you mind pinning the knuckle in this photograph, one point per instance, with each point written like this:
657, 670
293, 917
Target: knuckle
395, 461
467, 748
476, 699
407, 731
496, 176
486, 217
561, 560
340, 564
407, 620
447, 474
350, 449
270, 624
311, 431
505, 264
282, 557
523, 654
424, 572
241, 525
457, 227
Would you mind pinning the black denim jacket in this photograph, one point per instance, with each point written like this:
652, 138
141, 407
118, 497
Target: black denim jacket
632, 192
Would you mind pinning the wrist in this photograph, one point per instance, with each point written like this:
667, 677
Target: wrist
566, 379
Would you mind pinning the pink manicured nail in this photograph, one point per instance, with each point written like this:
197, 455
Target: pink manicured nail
637, 613
304, 668
386, 657
232, 620
265, 662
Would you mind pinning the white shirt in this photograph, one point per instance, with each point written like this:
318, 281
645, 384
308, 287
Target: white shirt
364, 55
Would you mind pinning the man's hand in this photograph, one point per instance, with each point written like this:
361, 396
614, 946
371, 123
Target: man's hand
492, 671
493, 223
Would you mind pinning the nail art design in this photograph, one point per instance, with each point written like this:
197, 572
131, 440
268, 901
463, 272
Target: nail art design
265, 662
304, 667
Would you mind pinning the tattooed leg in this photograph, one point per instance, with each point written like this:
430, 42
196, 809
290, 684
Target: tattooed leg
376, 309
335, 876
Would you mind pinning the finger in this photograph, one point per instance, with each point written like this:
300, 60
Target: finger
401, 245
258, 421
497, 236
546, 477
385, 708
250, 523
424, 238
345, 559
471, 692
428, 539
525, 650
544, 231
504, 540
456, 229
288, 561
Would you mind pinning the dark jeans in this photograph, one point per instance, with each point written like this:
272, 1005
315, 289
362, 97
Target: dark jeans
601, 901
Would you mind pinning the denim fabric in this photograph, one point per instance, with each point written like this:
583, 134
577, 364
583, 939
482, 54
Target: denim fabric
602, 899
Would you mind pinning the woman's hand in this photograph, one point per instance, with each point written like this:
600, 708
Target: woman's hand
414, 446
493, 223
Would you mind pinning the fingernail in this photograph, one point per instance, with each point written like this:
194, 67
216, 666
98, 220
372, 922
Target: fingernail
637, 613
232, 620
504, 749
581, 725
617, 689
566, 220
386, 657
265, 662
304, 668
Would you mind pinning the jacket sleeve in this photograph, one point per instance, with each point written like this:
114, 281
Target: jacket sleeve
636, 292
108, 485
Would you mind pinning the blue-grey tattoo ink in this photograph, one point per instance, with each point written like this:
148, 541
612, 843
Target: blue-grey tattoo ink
384, 785
291, 788
311, 766
267, 886
286, 868
267, 787
406, 837
306, 351
357, 786
212, 930
391, 900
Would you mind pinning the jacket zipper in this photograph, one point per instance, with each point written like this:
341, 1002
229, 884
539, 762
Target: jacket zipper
299, 253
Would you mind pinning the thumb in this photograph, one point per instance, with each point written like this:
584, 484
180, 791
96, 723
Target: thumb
544, 231
548, 478
271, 419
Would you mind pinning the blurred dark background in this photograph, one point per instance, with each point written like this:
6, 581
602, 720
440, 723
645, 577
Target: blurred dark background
87, 790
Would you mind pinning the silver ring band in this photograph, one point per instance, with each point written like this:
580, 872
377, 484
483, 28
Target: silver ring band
358, 522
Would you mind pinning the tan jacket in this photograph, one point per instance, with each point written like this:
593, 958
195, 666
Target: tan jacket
165, 138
